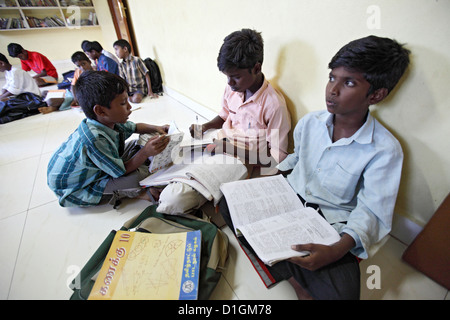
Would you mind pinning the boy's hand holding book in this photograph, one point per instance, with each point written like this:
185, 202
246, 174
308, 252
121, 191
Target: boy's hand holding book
156, 145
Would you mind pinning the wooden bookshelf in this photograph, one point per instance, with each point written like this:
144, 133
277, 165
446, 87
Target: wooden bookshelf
19, 15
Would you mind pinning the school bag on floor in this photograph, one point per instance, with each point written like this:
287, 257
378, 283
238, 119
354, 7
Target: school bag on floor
155, 75
214, 249
67, 82
21, 106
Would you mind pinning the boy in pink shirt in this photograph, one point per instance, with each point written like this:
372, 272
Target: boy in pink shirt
251, 108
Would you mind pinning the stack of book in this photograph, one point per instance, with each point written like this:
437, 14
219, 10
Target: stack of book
11, 23
47, 22
38, 3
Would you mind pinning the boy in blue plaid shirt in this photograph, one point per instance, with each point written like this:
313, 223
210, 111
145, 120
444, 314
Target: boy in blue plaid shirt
134, 71
94, 164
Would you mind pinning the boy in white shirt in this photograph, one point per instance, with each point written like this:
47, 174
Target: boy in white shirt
17, 81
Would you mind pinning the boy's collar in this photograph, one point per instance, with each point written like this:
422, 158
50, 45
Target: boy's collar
258, 92
96, 123
364, 135
128, 58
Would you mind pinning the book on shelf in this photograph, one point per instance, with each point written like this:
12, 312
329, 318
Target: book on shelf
165, 158
8, 4
271, 217
80, 3
149, 266
11, 23
48, 22
38, 3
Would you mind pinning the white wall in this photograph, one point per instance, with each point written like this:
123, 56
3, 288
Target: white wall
301, 36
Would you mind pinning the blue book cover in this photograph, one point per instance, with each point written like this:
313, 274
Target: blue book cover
191, 266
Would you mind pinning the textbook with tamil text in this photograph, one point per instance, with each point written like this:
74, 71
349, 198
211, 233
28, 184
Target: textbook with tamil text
150, 266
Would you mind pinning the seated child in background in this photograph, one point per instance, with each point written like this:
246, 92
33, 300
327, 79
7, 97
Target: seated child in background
94, 51
347, 164
46, 73
106, 53
83, 63
134, 71
250, 104
17, 81
95, 164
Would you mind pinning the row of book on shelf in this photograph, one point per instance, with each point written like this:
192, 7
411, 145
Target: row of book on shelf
47, 22
46, 3
38, 3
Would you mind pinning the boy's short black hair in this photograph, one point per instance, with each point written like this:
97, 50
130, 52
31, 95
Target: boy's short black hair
84, 43
14, 49
80, 56
98, 88
241, 49
382, 61
123, 44
88, 46
3, 58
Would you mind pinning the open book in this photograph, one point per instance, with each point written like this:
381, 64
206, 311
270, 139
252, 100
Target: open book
271, 217
207, 138
203, 172
55, 94
165, 158
150, 266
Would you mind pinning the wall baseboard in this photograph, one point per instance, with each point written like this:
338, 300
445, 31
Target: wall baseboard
404, 229
201, 110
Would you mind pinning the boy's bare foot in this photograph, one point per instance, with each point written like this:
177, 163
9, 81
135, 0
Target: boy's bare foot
136, 98
45, 110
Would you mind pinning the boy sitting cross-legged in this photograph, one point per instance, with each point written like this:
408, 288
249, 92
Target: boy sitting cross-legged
94, 164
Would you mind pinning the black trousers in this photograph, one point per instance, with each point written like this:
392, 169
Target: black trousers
337, 281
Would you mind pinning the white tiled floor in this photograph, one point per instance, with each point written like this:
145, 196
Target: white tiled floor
44, 245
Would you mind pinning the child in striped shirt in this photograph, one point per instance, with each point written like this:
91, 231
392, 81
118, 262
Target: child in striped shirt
95, 165
134, 71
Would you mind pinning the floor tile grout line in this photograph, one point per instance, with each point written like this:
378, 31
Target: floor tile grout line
17, 255
27, 211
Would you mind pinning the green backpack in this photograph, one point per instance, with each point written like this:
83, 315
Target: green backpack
214, 250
